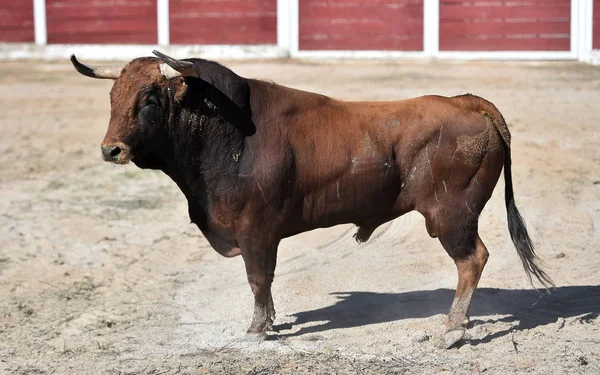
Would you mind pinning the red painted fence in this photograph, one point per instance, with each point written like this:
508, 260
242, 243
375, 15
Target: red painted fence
223, 21
505, 25
465, 25
361, 25
101, 21
16, 21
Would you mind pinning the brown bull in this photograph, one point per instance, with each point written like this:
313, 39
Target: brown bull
259, 162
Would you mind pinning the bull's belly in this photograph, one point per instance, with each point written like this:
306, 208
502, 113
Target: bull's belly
359, 197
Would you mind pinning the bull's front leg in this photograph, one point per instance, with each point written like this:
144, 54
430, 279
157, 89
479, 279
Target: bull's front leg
260, 256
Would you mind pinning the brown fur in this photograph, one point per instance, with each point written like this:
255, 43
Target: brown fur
259, 162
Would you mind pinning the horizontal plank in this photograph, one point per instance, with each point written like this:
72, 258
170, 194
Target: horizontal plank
101, 26
110, 3
247, 17
367, 28
104, 38
16, 19
208, 28
222, 7
502, 12
192, 25
25, 7
388, 15
486, 28
504, 44
99, 4
17, 35
360, 3
83, 10
224, 36
503, 2
358, 43
102, 31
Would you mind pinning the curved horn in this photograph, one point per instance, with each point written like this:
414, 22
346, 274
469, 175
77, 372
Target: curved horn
172, 68
105, 72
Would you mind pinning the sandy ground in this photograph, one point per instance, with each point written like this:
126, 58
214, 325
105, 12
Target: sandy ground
101, 273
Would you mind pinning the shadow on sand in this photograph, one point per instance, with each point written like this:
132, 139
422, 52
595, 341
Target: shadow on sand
528, 307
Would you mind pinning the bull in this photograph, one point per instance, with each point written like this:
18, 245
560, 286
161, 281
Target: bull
259, 162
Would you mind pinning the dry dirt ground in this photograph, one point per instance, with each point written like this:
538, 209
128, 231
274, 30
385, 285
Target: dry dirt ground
101, 272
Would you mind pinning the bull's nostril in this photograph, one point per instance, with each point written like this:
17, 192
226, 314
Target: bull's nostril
111, 153
115, 151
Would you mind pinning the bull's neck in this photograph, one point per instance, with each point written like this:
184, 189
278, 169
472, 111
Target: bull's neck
207, 134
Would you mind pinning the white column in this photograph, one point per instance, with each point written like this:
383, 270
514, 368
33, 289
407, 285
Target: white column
293, 28
574, 31
431, 27
585, 28
162, 15
283, 24
39, 22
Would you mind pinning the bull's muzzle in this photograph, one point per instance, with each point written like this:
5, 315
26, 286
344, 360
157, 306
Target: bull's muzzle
115, 153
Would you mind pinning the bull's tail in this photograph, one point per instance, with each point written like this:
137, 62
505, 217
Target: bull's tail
516, 224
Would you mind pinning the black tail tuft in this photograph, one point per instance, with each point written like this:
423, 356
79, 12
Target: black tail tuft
518, 231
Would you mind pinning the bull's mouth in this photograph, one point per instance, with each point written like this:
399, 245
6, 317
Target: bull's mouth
121, 160
117, 153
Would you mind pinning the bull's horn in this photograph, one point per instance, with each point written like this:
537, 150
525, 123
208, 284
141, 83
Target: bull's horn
172, 68
106, 72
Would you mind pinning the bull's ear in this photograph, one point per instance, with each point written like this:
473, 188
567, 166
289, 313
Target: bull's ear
179, 88
171, 68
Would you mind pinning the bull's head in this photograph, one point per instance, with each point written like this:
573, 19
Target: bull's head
139, 103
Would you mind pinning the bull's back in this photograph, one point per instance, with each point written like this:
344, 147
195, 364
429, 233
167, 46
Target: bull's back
364, 162
348, 157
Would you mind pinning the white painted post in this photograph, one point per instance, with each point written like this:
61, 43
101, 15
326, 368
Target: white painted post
283, 25
431, 27
162, 15
293, 27
585, 29
39, 22
574, 32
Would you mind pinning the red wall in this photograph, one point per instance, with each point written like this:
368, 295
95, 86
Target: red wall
596, 38
101, 21
506, 25
16, 21
223, 21
361, 25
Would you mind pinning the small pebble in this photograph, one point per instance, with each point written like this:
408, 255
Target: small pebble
420, 336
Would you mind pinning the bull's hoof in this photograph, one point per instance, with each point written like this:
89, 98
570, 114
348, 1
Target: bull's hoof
454, 336
363, 234
255, 336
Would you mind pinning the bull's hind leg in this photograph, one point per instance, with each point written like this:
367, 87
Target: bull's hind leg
470, 256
